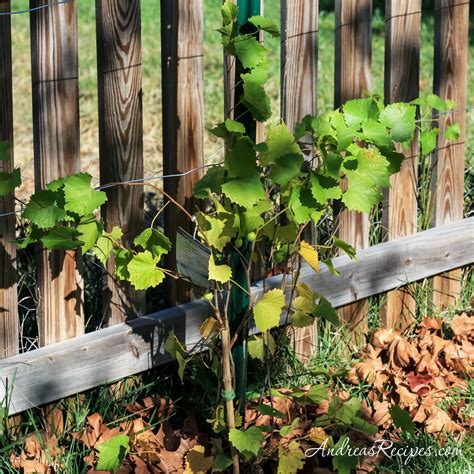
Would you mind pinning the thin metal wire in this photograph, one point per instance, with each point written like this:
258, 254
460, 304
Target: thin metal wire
34, 9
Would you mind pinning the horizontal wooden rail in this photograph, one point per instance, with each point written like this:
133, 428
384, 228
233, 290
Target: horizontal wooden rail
72, 366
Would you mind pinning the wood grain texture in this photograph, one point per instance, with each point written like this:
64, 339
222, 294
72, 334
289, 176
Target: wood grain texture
9, 324
183, 116
450, 82
120, 137
402, 72
104, 356
56, 153
352, 69
299, 69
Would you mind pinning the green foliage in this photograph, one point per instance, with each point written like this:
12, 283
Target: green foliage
9, 181
247, 442
111, 453
290, 460
402, 419
268, 309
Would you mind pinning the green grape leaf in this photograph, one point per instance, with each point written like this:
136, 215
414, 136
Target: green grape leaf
256, 347
241, 160
402, 419
173, 346
234, 126
61, 238
90, 229
9, 181
4, 150
394, 159
325, 310
344, 246
220, 130
144, 272
210, 182
229, 12
219, 273
286, 168
301, 320
79, 196
33, 236
122, 259
105, 244
303, 205
247, 441
375, 132
333, 163
250, 221
111, 453
267, 310
324, 188
317, 394
154, 241
452, 132
249, 51
216, 231
265, 24
357, 111
269, 411
428, 140
42, 210
286, 430
259, 74
221, 462
344, 134
280, 142
181, 366
342, 462
401, 119
256, 100
290, 460
364, 426
245, 192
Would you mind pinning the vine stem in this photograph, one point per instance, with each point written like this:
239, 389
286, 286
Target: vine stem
227, 378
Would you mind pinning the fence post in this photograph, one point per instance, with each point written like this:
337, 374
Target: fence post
9, 325
450, 82
120, 138
352, 78
299, 69
183, 116
56, 153
402, 72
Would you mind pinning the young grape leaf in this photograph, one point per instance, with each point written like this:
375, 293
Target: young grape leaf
364, 426
219, 273
105, 244
303, 205
375, 132
309, 253
400, 118
299, 319
9, 181
154, 241
217, 231
286, 430
245, 192
452, 132
291, 459
324, 188
249, 51
357, 111
256, 100
42, 210
210, 182
344, 246
122, 259
61, 238
428, 140
325, 310
267, 310
265, 24
79, 196
144, 272
90, 229
234, 126
241, 160
269, 411
221, 463
286, 168
256, 347
247, 441
342, 461
112, 453
229, 12
280, 141
317, 393
33, 235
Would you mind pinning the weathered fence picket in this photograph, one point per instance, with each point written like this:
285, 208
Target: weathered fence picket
299, 69
352, 79
402, 71
120, 137
9, 323
450, 82
54, 72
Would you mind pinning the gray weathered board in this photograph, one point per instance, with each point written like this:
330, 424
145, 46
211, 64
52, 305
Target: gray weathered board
104, 356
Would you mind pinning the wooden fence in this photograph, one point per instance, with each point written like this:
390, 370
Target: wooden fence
129, 347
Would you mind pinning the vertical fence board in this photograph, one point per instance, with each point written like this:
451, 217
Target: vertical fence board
56, 153
9, 326
183, 115
353, 78
120, 137
402, 71
450, 82
299, 68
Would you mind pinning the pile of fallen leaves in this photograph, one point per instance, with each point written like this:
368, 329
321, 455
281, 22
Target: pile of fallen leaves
420, 373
